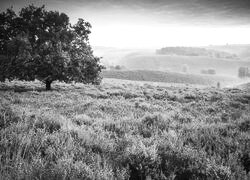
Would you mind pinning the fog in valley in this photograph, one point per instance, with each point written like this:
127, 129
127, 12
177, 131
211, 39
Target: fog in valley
207, 38
124, 89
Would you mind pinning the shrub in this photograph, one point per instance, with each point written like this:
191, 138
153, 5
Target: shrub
211, 71
48, 123
82, 119
203, 71
7, 116
218, 85
150, 124
243, 72
185, 68
208, 71
116, 67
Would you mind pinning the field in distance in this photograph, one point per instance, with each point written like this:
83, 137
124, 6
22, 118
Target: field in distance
123, 130
176, 62
148, 59
172, 77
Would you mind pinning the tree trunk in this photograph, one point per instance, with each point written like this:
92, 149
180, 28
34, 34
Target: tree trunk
48, 85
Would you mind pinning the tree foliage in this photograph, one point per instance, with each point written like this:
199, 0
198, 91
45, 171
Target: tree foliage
243, 72
43, 45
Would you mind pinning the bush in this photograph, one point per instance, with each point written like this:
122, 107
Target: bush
116, 67
185, 68
208, 71
82, 119
7, 116
211, 71
243, 72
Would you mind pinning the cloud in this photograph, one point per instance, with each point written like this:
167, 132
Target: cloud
200, 12
181, 11
139, 23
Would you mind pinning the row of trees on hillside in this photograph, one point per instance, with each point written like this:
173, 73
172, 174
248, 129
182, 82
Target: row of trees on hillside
208, 71
43, 45
195, 51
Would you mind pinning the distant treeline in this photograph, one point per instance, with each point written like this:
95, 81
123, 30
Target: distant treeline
195, 51
116, 67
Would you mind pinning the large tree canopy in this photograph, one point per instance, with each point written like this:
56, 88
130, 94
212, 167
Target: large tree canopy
43, 45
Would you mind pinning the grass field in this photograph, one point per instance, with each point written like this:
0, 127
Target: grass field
171, 77
123, 131
245, 86
175, 63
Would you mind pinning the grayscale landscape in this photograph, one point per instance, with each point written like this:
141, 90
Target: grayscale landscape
125, 90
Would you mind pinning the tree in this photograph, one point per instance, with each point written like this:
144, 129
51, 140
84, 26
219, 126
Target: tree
185, 68
43, 45
211, 71
243, 72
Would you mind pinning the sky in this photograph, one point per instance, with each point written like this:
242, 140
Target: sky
155, 23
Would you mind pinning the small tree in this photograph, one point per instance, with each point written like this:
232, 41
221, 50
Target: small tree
43, 45
243, 72
208, 71
211, 71
185, 68
218, 85
203, 71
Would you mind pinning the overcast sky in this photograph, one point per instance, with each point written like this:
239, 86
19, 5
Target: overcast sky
155, 23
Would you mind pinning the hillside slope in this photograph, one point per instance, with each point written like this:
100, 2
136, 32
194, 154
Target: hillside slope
169, 77
243, 51
245, 86
123, 132
176, 63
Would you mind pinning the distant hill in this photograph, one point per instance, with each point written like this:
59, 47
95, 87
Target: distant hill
147, 59
114, 56
242, 51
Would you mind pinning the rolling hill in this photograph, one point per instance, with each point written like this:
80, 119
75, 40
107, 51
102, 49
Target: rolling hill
114, 56
126, 131
176, 63
244, 86
170, 77
147, 59
243, 51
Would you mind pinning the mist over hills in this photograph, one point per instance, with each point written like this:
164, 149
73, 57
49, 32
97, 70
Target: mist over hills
243, 51
225, 59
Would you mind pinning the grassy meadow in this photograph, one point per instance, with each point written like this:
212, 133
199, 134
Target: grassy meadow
171, 77
123, 131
